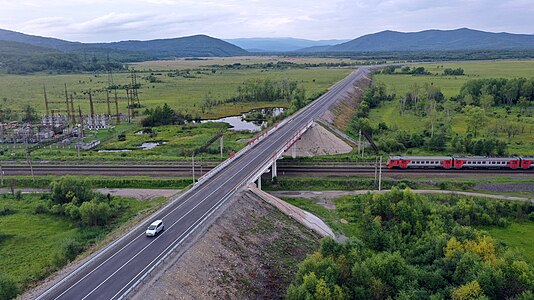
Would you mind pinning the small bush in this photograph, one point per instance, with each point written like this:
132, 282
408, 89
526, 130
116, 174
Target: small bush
70, 249
531, 216
8, 288
41, 208
6, 210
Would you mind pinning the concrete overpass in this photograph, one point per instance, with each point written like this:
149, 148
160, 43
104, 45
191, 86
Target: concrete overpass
118, 269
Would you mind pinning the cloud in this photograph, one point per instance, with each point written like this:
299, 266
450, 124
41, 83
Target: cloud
103, 20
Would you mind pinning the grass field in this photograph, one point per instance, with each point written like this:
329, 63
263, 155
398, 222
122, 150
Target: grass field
388, 112
182, 94
517, 236
30, 243
450, 85
206, 63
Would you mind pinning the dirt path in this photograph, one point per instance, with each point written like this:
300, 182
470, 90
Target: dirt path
140, 194
328, 195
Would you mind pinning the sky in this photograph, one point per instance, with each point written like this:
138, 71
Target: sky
116, 20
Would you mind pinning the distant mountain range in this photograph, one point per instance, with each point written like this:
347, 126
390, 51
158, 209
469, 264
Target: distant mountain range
192, 46
432, 40
13, 44
280, 44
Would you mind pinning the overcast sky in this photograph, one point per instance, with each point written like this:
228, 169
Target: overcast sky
114, 20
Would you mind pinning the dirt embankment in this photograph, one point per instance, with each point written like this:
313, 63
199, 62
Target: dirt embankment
342, 112
250, 252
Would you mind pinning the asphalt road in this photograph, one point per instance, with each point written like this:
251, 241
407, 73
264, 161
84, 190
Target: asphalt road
118, 267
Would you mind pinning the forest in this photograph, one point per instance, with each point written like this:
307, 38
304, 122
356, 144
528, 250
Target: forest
420, 247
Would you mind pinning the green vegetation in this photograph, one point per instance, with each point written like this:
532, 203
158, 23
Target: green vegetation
44, 232
517, 236
412, 246
452, 114
184, 93
100, 182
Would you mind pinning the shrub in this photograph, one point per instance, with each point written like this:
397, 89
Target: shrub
71, 248
68, 188
8, 288
6, 210
41, 208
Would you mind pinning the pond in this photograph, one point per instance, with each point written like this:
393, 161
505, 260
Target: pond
151, 145
239, 123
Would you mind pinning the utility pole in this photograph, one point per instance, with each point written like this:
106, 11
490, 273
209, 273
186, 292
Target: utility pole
46, 102
376, 170
68, 106
81, 122
92, 106
1, 174
222, 144
117, 108
109, 106
193, 165
380, 176
360, 143
73, 112
29, 159
129, 112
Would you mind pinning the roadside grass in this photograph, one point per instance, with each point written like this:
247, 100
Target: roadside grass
182, 94
33, 244
332, 217
517, 236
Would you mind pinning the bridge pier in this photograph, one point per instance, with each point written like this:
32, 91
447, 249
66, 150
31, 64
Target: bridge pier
259, 182
274, 169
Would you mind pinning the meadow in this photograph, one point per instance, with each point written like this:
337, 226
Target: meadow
400, 84
450, 85
184, 93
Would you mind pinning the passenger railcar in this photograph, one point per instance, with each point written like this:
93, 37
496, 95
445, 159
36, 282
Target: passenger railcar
482, 162
405, 162
527, 162
460, 162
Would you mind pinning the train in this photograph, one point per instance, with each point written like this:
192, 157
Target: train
460, 162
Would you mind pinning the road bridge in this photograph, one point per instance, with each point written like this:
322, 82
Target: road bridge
118, 269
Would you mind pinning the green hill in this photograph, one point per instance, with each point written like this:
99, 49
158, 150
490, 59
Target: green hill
191, 46
436, 40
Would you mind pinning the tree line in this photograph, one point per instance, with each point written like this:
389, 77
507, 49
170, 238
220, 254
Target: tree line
419, 247
262, 90
56, 62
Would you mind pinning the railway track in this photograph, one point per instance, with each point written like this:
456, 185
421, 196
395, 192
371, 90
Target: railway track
283, 169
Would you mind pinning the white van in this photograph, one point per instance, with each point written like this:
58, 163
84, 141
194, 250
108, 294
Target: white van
155, 228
